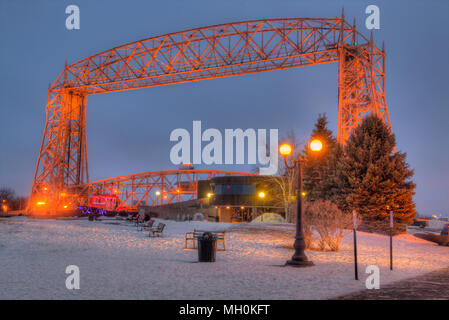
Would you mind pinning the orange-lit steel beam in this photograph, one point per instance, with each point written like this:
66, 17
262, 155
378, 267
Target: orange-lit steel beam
199, 54
173, 185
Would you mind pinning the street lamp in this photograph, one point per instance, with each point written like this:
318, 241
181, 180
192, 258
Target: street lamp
285, 149
299, 258
158, 197
316, 145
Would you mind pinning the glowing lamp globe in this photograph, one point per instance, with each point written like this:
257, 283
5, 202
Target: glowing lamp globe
316, 145
285, 149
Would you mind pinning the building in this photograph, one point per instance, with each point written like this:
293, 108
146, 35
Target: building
239, 198
222, 199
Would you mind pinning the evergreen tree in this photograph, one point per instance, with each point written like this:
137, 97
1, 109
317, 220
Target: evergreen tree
320, 166
372, 178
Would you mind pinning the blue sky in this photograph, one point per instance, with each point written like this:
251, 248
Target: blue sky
128, 132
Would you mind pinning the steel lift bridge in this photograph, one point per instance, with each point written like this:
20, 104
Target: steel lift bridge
198, 54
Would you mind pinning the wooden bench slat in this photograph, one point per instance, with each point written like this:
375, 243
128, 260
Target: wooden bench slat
195, 234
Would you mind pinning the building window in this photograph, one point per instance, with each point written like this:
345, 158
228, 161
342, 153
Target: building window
235, 189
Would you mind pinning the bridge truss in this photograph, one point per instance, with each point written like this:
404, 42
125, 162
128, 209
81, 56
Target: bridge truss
198, 54
157, 187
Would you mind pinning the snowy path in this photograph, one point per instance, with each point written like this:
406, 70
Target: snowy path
431, 286
118, 262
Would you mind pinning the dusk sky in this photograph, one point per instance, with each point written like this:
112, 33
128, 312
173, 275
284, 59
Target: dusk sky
128, 132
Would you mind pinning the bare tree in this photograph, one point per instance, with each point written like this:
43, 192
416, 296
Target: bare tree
284, 185
324, 218
7, 194
283, 190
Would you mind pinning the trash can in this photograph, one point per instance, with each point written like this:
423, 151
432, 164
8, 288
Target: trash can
207, 247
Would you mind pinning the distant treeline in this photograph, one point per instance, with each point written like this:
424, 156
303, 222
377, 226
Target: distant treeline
8, 197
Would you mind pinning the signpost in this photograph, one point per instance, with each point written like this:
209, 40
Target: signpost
391, 239
354, 219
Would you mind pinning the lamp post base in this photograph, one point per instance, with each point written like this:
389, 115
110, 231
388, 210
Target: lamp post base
299, 263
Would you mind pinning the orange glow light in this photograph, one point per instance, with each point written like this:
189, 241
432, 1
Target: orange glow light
285, 149
316, 145
40, 203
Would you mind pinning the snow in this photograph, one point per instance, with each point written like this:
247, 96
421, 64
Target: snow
117, 261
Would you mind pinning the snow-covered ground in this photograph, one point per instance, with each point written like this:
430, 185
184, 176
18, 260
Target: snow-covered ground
118, 262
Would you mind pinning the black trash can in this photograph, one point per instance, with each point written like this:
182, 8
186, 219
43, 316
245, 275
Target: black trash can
207, 247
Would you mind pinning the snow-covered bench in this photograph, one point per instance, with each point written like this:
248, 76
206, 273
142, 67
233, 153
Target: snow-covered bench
146, 225
195, 234
157, 231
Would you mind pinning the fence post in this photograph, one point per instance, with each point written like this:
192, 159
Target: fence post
354, 219
391, 239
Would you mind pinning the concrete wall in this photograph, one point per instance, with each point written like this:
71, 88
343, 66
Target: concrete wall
184, 211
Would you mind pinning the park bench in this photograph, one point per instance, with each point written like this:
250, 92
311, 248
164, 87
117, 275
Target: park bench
133, 217
146, 225
192, 237
139, 220
156, 231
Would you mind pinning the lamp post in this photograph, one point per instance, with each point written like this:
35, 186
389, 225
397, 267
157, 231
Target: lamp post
299, 258
158, 194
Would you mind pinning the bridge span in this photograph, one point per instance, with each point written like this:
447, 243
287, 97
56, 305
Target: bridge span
157, 187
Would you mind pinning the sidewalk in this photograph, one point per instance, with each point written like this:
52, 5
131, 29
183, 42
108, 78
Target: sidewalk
431, 286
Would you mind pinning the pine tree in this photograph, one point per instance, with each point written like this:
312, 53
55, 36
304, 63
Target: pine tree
372, 178
320, 166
